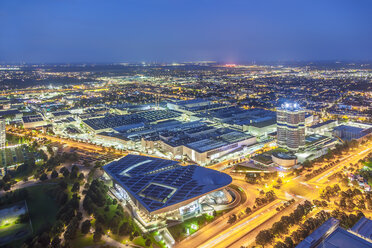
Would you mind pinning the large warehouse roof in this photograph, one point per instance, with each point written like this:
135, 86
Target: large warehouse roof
158, 183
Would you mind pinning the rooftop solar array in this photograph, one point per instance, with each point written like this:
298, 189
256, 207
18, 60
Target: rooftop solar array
205, 138
238, 116
122, 120
66, 120
32, 118
61, 113
158, 183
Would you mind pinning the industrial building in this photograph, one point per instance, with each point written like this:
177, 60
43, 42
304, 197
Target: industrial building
352, 131
323, 128
194, 106
33, 121
239, 118
205, 143
331, 235
131, 121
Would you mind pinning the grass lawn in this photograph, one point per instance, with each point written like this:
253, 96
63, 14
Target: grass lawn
83, 240
161, 243
192, 225
139, 241
368, 164
42, 208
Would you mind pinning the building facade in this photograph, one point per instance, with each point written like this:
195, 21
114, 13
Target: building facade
158, 190
291, 126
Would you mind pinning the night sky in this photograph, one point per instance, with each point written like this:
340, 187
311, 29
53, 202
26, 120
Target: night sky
105, 31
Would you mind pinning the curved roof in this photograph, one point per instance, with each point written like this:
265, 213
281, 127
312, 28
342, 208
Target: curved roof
284, 155
158, 183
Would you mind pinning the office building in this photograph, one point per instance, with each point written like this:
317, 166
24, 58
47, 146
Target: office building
291, 126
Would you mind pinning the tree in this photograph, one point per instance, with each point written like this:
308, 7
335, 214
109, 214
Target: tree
248, 210
289, 242
44, 239
264, 237
75, 187
57, 228
232, 219
7, 187
344, 182
148, 242
81, 176
85, 227
56, 242
54, 174
71, 229
66, 173
280, 245
73, 174
97, 236
43, 177
124, 229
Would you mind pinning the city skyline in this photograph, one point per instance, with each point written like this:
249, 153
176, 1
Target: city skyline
186, 123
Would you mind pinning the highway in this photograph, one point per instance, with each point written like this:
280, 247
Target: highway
245, 230
242, 226
353, 158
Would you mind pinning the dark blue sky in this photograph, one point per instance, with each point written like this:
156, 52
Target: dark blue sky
184, 30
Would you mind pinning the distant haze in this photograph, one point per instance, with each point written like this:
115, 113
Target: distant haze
231, 31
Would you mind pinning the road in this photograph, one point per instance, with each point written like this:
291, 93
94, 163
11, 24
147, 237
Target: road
72, 143
250, 236
246, 229
244, 225
353, 158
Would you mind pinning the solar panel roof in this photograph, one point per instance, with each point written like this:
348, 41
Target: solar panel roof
32, 118
158, 183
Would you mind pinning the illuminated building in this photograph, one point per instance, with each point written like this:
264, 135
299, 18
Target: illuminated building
159, 190
33, 121
291, 126
285, 160
331, 235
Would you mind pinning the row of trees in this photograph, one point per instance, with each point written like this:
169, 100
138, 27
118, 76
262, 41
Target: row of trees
108, 213
305, 229
316, 172
254, 178
281, 227
269, 196
260, 201
331, 154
